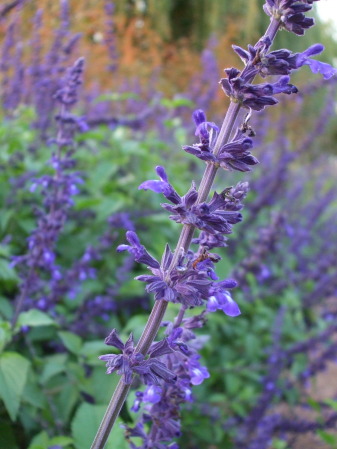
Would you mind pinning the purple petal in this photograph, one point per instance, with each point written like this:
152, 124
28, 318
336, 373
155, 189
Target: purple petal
198, 374
161, 173
113, 340
326, 70
315, 49
160, 348
212, 304
231, 308
154, 185
228, 283
152, 394
199, 116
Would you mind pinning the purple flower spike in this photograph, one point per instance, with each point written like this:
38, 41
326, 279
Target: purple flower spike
138, 251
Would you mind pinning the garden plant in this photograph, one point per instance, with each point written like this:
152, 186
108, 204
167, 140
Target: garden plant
70, 170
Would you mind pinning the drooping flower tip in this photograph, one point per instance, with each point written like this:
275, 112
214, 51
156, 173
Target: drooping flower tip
163, 186
113, 340
231, 308
199, 116
132, 238
198, 373
161, 173
222, 300
326, 70
138, 251
314, 49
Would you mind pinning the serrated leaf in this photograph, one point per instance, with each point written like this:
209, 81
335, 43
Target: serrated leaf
85, 424
13, 376
71, 341
34, 318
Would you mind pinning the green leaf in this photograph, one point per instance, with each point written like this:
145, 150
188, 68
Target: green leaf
67, 399
85, 424
332, 403
61, 441
71, 341
55, 365
279, 444
32, 393
314, 404
5, 334
6, 272
6, 308
177, 102
93, 349
13, 377
327, 437
39, 441
115, 96
34, 318
103, 385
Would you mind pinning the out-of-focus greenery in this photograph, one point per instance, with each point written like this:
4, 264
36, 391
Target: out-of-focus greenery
53, 387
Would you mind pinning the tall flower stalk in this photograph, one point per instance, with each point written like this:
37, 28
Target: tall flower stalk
187, 277
57, 190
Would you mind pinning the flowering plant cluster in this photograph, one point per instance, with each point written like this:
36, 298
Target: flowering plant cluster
188, 277
63, 289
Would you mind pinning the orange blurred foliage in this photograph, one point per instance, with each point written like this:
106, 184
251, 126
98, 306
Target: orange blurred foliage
141, 50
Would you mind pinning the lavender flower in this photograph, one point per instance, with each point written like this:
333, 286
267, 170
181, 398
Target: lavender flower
189, 278
283, 62
291, 14
254, 96
58, 191
131, 362
185, 285
211, 217
232, 156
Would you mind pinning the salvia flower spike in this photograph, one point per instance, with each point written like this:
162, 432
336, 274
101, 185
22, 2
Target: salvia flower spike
171, 366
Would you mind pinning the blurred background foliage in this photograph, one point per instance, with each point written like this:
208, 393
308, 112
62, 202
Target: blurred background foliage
165, 60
